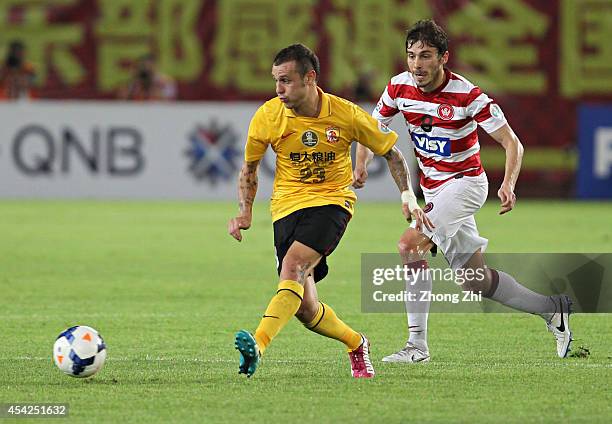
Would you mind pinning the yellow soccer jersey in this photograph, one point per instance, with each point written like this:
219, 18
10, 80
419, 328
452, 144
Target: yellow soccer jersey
313, 155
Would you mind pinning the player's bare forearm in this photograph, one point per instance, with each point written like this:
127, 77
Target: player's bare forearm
514, 160
398, 168
514, 157
247, 187
514, 154
363, 156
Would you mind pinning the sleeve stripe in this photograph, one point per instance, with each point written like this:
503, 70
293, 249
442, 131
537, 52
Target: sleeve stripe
474, 94
478, 104
387, 111
484, 114
386, 99
385, 108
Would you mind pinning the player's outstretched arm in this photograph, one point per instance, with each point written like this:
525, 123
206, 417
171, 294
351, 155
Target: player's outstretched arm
514, 157
363, 157
410, 207
247, 189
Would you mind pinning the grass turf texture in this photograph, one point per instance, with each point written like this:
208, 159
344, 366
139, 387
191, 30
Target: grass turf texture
167, 288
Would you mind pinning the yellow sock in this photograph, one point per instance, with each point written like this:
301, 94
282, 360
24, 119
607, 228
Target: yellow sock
281, 308
327, 323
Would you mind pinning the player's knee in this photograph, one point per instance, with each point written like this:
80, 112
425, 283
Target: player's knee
294, 267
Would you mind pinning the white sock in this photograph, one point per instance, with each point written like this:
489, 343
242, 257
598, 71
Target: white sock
510, 293
417, 310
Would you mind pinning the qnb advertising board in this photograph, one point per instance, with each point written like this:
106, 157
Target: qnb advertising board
595, 170
138, 150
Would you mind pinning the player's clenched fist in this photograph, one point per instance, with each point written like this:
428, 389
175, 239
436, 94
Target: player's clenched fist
507, 197
360, 175
236, 224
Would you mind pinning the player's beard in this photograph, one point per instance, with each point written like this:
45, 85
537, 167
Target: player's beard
428, 83
420, 83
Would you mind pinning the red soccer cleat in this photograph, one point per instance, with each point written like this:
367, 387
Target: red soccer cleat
361, 366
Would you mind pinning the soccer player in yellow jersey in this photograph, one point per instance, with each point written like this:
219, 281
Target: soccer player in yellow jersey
311, 133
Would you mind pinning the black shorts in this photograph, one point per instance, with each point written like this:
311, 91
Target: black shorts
318, 227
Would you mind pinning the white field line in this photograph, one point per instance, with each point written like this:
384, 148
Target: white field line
155, 359
553, 364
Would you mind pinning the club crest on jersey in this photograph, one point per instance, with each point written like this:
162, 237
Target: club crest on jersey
446, 112
310, 138
440, 146
428, 207
332, 134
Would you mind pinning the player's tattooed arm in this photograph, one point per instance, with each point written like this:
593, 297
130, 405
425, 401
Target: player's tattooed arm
247, 189
401, 175
398, 168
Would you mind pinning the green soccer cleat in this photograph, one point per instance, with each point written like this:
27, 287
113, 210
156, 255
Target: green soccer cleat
249, 352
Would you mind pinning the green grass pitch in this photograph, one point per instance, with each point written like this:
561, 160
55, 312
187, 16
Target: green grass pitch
167, 288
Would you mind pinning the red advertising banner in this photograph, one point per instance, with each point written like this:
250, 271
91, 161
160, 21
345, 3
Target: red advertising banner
537, 58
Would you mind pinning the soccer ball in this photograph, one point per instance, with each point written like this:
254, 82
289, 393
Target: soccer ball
79, 351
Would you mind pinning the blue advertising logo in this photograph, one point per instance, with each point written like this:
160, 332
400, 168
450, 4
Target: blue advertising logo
595, 145
438, 145
213, 153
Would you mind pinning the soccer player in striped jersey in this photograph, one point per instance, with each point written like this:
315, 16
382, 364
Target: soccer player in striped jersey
311, 133
442, 111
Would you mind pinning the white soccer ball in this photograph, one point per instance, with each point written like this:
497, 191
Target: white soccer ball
79, 351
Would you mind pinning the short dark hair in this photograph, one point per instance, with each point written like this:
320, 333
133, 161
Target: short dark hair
303, 56
428, 32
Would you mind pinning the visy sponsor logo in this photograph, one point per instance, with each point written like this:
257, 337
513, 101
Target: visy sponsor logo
437, 145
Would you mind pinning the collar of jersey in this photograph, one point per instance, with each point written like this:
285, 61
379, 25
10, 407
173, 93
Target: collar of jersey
325, 106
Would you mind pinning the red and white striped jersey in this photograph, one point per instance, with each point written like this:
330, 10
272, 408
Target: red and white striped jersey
441, 124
